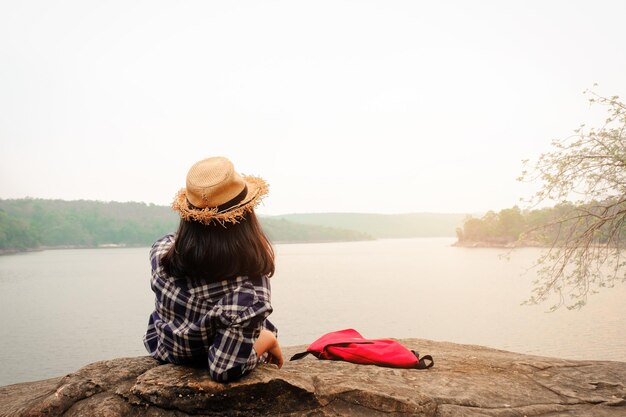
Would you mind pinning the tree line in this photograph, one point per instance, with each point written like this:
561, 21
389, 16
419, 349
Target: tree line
586, 239
32, 223
385, 226
549, 226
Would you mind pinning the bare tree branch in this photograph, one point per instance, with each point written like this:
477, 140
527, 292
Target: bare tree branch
586, 238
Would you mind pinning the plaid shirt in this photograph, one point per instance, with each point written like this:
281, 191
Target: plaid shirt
211, 324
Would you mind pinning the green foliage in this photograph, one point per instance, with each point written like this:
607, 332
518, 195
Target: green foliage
35, 223
31, 223
541, 227
15, 233
586, 237
384, 225
281, 230
494, 228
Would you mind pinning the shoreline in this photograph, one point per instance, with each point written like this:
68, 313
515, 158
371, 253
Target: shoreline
275, 242
498, 245
458, 244
14, 251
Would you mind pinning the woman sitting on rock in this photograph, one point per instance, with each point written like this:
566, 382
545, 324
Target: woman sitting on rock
211, 278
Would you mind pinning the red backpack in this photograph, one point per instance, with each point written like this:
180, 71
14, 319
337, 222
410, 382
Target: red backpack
348, 345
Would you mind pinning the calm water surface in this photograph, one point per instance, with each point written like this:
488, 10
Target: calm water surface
62, 309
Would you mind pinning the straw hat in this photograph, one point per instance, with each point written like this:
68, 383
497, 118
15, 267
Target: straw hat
215, 192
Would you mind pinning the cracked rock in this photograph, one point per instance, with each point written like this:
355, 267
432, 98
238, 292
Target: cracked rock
466, 381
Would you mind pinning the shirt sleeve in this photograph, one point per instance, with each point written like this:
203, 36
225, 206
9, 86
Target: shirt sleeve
240, 316
268, 325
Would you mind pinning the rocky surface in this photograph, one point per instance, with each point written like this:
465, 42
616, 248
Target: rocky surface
466, 381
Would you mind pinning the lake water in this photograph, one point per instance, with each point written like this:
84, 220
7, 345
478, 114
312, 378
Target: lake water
62, 309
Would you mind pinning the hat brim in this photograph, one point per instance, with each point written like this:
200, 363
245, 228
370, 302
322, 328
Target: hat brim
257, 190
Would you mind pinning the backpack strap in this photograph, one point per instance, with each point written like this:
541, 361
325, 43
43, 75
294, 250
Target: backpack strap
421, 362
300, 355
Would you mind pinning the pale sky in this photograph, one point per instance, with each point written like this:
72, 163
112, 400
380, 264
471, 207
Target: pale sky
343, 106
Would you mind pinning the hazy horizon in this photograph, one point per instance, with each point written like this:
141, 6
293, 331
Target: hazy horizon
342, 106
260, 214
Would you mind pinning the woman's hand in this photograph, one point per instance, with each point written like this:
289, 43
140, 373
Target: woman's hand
267, 342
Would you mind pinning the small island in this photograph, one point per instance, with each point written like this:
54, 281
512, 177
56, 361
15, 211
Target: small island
546, 227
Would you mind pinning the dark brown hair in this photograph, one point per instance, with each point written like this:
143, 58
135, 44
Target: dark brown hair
216, 252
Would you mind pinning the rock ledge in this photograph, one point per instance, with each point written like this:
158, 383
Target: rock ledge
466, 381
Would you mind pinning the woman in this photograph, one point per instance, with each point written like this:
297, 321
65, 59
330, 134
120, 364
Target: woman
211, 278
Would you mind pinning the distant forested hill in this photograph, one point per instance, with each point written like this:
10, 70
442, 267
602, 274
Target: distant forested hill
386, 225
281, 230
548, 226
33, 223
